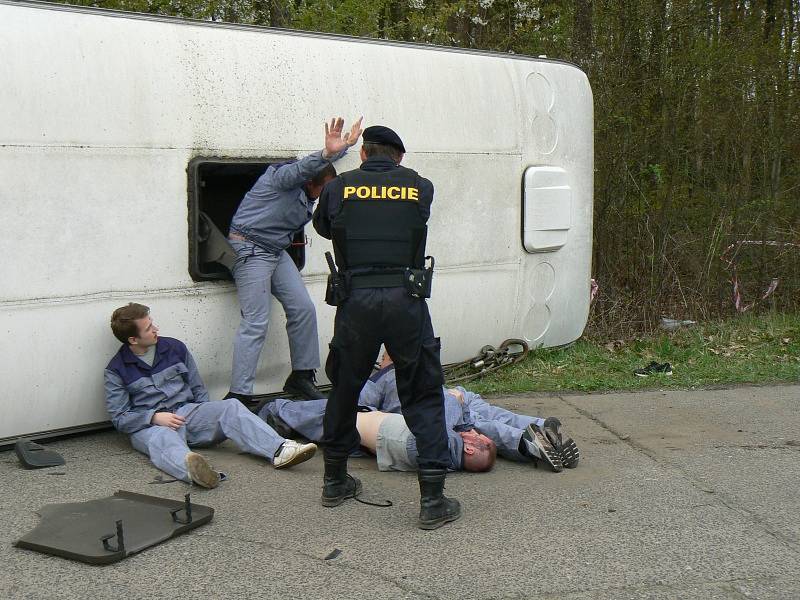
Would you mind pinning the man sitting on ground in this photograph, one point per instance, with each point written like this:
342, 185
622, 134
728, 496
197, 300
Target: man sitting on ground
154, 393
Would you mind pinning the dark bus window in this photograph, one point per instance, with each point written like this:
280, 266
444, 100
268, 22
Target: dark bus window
216, 186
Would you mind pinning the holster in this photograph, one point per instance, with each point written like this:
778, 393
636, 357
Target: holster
337, 289
418, 282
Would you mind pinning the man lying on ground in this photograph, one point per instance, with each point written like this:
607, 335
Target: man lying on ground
387, 436
516, 437
154, 393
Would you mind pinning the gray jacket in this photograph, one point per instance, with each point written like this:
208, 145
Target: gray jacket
135, 391
277, 206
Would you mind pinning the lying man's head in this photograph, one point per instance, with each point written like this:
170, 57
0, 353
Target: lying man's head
480, 452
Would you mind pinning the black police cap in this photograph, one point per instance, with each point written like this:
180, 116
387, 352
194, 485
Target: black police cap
378, 134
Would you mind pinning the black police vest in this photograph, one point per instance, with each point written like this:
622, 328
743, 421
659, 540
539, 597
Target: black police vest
379, 225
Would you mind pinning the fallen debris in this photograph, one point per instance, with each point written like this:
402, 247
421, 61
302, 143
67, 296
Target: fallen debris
36, 456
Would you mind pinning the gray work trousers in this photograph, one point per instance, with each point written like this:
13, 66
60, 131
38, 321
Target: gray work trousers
207, 423
259, 275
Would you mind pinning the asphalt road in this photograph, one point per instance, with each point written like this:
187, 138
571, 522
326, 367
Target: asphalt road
679, 494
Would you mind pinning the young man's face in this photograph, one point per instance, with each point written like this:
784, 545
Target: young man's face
148, 333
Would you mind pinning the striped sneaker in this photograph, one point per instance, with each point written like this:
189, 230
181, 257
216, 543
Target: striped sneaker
567, 448
540, 449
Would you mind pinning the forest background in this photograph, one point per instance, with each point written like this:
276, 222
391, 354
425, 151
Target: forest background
697, 131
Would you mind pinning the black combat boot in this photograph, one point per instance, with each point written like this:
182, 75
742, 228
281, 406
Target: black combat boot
435, 509
338, 486
303, 385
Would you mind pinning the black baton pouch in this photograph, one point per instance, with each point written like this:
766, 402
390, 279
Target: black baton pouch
418, 282
336, 290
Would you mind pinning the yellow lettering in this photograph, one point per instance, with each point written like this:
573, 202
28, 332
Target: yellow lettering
382, 192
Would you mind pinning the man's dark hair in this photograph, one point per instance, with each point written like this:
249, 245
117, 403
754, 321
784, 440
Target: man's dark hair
123, 320
372, 149
329, 172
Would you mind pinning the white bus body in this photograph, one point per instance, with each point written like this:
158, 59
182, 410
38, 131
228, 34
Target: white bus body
103, 113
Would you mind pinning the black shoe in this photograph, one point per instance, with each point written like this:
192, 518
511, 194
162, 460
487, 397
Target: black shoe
303, 385
243, 398
280, 426
654, 368
435, 509
337, 485
567, 449
256, 405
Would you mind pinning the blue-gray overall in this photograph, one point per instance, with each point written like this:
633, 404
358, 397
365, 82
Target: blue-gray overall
135, 391
269, 216
502, 426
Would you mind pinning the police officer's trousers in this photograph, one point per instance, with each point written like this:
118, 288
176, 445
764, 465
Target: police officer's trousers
260, 275
367, 318
207, 423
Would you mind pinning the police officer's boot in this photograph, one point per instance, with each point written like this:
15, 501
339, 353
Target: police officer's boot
435, 509
303, 385
337, 485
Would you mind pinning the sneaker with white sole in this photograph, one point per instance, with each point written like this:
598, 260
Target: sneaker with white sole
292, 453
540, 448
201, 471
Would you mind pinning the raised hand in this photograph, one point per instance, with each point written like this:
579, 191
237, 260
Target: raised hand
335, 142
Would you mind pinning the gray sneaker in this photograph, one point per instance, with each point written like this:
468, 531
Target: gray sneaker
292, 453
200, 471
540, 448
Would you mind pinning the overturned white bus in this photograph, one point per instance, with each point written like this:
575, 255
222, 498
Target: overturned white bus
125, 137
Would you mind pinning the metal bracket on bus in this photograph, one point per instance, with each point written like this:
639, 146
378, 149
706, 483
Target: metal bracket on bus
186, 508
120, 535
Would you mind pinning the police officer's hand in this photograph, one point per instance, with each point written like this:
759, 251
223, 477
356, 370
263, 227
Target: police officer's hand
335, 142
168, 419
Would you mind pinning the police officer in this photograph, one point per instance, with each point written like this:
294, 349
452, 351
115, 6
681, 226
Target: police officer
278, 206
376, 217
